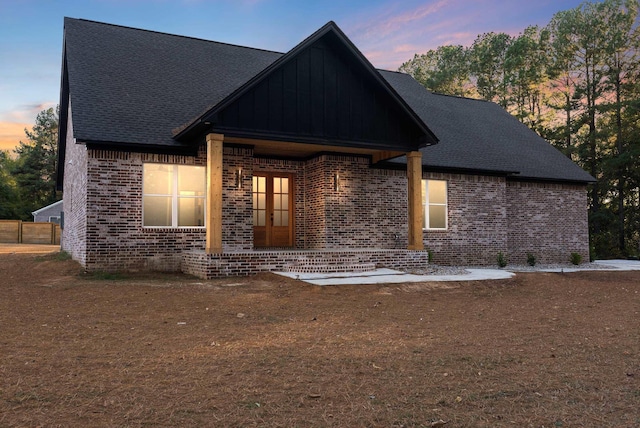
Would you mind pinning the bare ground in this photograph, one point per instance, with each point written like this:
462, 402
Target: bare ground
537, 350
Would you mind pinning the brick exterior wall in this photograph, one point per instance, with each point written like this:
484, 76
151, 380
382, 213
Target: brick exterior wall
477, 221
103, 213
237, 214
370, 208
116, 239
546, 220
74, 234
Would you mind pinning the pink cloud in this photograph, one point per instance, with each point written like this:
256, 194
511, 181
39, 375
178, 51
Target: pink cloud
391, 35
407, 47
378, 27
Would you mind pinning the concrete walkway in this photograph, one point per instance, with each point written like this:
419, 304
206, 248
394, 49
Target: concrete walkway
390, 276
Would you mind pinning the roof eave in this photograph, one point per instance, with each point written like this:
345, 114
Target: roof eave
181, 149
62, 118
584, 182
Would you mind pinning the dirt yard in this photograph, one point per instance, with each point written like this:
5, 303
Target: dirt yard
538, 350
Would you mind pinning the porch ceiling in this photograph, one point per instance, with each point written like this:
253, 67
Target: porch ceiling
305, 150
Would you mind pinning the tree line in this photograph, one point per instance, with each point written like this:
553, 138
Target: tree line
28, 176
575, 82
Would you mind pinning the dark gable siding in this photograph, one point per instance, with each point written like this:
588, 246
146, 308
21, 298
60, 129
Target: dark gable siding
321, 95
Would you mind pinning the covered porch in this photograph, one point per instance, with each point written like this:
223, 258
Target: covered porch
341, 214
293, 163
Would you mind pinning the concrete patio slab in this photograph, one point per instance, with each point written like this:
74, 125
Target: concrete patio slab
619, 264
390, 276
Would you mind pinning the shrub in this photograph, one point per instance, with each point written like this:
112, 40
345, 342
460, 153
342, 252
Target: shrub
502, 260
531, 259
430, 256
575, 258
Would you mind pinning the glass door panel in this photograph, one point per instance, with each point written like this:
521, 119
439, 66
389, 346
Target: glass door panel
272, 210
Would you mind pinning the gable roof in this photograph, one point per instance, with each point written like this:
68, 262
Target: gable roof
131, 88
320, 82
48, 207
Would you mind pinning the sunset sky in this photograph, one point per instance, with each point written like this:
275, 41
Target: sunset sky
388, 32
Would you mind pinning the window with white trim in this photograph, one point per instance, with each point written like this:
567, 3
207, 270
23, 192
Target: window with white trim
173, 195
434, 204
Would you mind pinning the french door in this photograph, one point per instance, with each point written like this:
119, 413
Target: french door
273, 210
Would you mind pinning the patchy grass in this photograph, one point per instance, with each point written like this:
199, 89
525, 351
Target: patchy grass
105, 276
54, 256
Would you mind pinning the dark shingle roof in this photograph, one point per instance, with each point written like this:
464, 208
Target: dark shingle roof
135, 86
481, 135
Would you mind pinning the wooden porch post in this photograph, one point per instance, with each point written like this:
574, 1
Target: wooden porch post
414, 190
214, 193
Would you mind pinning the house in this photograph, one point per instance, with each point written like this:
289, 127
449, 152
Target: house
183, 154
52, 213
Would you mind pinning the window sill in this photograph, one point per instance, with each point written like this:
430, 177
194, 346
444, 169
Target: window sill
173, 229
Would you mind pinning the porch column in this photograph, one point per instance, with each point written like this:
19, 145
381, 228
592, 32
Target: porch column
214, 193
414, 190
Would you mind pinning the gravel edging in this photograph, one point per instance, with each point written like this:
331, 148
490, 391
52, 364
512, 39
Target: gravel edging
462, 270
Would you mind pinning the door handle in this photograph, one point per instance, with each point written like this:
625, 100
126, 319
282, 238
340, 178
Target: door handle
271, 219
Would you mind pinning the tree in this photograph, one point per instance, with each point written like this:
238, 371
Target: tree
526, 63
563, 79
621, 62
34, 170
576, 82
487, 58
444, 70
594, 52
8, 190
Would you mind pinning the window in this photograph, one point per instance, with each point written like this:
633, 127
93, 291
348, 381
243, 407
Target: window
434, 204
54, 219
173, 195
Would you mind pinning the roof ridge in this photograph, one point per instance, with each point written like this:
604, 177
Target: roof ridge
433, 92
392, 71
462, 97
172, 35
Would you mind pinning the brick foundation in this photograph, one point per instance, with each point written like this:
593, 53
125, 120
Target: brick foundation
207, 266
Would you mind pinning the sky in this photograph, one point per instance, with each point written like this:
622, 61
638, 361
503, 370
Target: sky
387, 32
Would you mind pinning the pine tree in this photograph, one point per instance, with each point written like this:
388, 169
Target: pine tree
35, 167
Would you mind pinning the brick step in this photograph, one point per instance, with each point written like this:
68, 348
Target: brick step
330, 268
327, 260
